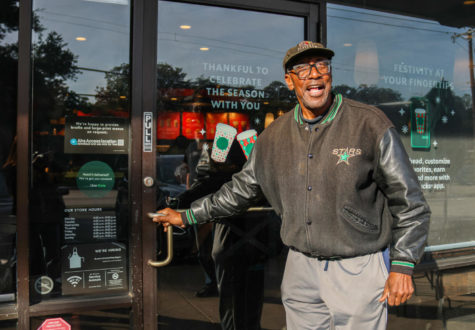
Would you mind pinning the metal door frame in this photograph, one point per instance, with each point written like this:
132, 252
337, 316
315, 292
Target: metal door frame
314, 14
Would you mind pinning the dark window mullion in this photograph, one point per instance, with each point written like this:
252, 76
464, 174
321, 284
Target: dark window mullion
23, 162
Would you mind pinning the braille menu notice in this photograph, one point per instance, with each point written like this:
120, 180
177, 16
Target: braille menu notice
96, 135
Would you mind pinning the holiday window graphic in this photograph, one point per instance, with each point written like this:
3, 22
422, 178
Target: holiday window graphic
420, 123
224, 137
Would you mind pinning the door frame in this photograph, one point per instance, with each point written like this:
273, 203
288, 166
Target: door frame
314, 13
143, 238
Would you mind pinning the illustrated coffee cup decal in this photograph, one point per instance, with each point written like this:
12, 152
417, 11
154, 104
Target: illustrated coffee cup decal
223, 139
420, 120
246, 141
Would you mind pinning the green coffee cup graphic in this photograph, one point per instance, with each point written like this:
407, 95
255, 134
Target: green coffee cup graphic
223, 140
246, 141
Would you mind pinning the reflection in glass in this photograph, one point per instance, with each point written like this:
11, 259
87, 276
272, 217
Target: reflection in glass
423, 67
79, 193
219, 86
416, 71
8, 106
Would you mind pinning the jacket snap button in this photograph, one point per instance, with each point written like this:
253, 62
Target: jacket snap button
309, 222
309, 188
310, 155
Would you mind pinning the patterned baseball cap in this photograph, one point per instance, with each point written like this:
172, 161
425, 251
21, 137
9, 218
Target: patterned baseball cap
306, 48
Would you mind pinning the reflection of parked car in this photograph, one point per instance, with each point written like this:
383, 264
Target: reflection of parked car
166, 176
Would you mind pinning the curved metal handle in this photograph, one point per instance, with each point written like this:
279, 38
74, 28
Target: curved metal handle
169, 248
251, 209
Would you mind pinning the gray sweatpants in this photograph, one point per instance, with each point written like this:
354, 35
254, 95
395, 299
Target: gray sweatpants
341, 294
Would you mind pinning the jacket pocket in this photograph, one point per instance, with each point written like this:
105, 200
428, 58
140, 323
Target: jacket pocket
357, 220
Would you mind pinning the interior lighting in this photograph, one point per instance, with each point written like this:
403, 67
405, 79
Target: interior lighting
122, 97
366, 69
204, 49
461, 76
81, 38
269, 119
347, 44
185, 27
469, 2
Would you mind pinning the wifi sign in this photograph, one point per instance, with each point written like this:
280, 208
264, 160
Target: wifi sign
74, 280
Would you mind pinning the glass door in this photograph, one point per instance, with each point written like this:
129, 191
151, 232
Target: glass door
79, 191
219, 78
8, 159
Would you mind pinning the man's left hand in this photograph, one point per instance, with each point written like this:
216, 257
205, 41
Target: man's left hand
398, 289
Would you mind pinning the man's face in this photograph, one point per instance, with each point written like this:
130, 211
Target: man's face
314, 91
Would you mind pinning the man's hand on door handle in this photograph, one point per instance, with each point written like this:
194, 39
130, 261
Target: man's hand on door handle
167, 217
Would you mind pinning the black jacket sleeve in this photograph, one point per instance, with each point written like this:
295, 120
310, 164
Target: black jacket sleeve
398, 181
234, 197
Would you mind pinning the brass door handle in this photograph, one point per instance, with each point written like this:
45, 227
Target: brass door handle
169, 248
251, 209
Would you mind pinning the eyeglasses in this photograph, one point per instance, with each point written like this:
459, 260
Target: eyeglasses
303, 70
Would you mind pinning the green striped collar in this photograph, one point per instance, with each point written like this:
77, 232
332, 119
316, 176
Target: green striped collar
336, 105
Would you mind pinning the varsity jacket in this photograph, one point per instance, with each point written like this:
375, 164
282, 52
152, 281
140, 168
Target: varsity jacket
344, 188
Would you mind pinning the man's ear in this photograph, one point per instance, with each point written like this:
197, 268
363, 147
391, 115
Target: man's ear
289, 82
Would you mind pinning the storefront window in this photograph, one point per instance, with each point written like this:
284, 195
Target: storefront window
417, 72
220, 83
79, 192
8, 111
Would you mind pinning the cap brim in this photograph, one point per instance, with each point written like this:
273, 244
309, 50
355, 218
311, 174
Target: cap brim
323, 52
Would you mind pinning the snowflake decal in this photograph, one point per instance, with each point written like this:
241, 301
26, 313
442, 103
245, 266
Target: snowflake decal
257, 121
402, 112
452, 113
405, 129
435, 144
445, 119
205, 147
203, 132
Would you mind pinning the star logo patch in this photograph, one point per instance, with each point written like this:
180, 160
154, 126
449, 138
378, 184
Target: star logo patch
344, 154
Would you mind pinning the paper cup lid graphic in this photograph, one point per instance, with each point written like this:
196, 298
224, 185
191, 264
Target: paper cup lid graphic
223, 140
246, 141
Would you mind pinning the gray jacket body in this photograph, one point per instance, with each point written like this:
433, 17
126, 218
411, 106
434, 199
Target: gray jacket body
344, 188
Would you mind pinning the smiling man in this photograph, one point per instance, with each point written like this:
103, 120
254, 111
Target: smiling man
337, 174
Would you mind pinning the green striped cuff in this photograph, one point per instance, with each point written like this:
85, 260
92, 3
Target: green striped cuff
404, 267
190, 217
402, 263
